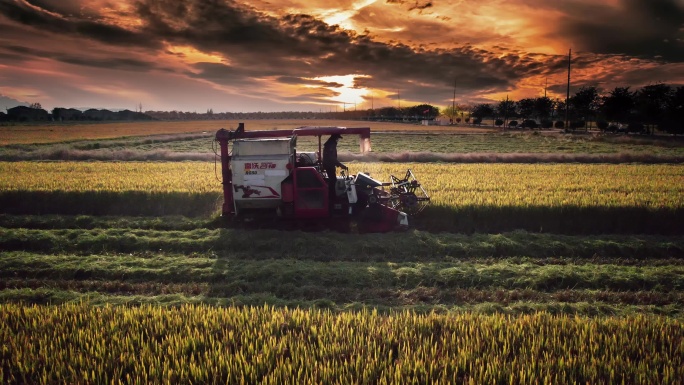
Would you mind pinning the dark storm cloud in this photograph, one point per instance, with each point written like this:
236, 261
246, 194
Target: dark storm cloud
210, 23
421, 6
20, 12
297, 46
222, 74
413, 5
652, 29
26, 53
64, 7
287, 48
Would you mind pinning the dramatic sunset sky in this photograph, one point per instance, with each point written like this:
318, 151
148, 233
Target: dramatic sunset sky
311, 55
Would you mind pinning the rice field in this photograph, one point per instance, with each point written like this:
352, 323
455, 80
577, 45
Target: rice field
122, 272
451, 185
200, 344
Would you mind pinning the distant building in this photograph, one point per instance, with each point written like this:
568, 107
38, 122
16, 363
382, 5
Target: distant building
440, 121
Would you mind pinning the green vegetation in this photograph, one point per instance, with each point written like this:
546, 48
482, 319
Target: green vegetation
148, 236
511, 272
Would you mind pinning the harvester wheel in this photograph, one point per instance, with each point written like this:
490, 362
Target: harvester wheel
372, 199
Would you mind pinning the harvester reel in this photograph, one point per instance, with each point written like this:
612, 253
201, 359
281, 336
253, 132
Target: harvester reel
407, 194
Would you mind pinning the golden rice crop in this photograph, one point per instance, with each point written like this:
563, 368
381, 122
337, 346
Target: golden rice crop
199, 344
454, 185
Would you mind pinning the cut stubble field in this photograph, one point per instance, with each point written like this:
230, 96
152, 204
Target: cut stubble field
52, 133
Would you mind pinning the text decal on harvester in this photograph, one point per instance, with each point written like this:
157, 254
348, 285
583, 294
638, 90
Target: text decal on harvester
259, 165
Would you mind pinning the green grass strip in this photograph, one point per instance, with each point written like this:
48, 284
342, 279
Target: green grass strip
323, 246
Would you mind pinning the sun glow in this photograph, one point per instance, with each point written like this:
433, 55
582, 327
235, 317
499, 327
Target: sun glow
191, 55
348, 93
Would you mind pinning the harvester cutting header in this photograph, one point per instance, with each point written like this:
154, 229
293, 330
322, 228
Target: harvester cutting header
264, 176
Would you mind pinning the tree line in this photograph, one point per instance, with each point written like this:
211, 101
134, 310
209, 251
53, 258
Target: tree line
657, 106
35, 113
654, 106
408, 114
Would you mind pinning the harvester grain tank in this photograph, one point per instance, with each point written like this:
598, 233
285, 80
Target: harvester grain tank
265, 176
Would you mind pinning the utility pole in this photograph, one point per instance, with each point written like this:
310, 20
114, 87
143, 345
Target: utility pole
506, 113
453, 104
567, 94
546, 85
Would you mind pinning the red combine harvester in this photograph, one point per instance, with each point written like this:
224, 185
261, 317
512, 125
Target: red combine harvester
264, 176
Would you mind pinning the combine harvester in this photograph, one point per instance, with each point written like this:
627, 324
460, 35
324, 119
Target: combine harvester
266, 178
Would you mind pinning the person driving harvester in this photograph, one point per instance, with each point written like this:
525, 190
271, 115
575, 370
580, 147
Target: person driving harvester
330, 163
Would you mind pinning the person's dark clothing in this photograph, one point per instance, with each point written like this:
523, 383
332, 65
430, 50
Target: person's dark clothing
330, 163
332, 179
330, 154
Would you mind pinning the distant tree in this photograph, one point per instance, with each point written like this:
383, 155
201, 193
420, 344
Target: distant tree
389, 113
482, 111
558, 109
652, 102
674, 114
585, 104
513, 123
525, 108
36, 106
506, 110
529, 123
618, 104
602, 125
543, 108
498, 122
575, 124
636, 127
452, 112
546, 123
422, 111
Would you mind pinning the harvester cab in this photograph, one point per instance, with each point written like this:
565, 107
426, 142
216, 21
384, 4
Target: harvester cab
265, 176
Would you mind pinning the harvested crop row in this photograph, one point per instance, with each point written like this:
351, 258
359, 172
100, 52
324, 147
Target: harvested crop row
379, 297
395, 247
292, 278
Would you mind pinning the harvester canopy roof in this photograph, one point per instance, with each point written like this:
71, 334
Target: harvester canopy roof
241, 133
